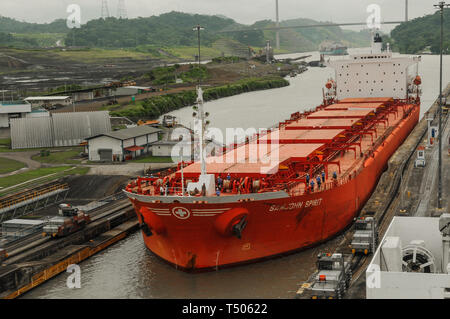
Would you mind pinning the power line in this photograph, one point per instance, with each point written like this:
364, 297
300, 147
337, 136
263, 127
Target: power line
122, 10
105, 10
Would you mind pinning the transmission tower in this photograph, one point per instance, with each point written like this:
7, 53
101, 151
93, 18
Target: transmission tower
105, 10
122, 10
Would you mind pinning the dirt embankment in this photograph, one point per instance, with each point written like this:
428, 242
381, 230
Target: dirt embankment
94, 187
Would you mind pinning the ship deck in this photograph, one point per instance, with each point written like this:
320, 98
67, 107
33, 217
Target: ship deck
311, 144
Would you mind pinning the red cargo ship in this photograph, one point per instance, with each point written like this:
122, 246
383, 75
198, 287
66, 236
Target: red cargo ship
270, 207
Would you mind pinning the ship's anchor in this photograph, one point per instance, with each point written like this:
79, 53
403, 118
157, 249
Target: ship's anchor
239, 227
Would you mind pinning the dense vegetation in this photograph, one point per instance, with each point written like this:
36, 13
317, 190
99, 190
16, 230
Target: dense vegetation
170, 30
175, 29
421, 34
7, 39
168, 75
12, 25
154, 107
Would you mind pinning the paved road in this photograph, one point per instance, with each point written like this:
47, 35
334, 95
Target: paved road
429, 185
24, 157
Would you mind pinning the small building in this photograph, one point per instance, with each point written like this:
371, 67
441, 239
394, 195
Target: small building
165, 149
132, 90
182, 150
48, 102
122, 145
13, 110
16, 228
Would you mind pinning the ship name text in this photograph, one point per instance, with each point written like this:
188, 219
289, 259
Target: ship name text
296, 205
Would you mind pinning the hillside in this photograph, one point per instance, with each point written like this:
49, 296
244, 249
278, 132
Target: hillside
309, 39
175, 29
9, 25
172, 30
421, 34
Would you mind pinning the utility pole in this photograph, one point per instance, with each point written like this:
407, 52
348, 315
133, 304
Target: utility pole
122, 10
278, 25
441, 6
198, 28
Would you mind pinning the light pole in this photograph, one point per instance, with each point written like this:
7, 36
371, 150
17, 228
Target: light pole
441, 6
198, 28
201, 113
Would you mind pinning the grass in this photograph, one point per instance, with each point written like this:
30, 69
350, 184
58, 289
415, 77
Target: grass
5, 144
43, 39
95, 55
189, 53
63, 157
42, 172
23, 177
7, 149
153, 159
9, 165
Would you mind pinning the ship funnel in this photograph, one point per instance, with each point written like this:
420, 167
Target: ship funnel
377, 44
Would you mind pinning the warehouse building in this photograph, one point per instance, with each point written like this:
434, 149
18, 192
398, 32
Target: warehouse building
49, 102
13, 110
59, 129
132, 90
122, 145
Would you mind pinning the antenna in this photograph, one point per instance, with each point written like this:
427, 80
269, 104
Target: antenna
105, 10
122, 10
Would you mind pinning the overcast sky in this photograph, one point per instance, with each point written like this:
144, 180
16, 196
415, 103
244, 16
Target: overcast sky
243, 11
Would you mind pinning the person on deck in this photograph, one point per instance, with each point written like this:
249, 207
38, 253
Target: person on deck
323, 177
319, 181
307, 178
312, 186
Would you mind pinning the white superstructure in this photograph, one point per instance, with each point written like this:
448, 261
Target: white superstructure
374, 74
412, 260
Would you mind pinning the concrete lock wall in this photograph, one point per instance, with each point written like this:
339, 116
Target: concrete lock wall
63, 129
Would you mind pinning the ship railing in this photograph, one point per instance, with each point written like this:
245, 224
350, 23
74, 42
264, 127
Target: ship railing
324, 186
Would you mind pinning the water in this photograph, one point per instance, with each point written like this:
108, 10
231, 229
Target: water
129, 270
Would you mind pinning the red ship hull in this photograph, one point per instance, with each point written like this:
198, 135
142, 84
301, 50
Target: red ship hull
198, 240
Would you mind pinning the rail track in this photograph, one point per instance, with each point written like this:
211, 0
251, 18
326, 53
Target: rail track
15, 249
